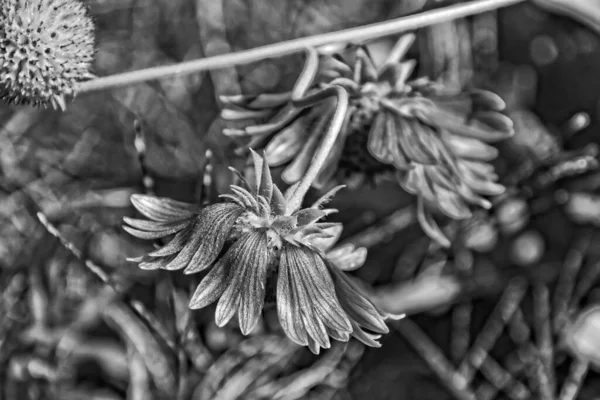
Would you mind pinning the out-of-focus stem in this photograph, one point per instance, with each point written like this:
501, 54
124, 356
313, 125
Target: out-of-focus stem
378, 233
435, 358
543, 330
361, 34
574, 381
326, 144
506, 307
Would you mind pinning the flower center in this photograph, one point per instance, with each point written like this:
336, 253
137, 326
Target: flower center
355, 156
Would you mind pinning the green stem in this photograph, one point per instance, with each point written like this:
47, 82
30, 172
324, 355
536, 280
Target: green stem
361, 34
337, 121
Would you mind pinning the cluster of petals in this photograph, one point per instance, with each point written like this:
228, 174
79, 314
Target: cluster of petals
437, 143
252, 238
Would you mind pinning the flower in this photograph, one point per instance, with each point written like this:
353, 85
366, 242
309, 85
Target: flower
46, 47
436, 141
254, 244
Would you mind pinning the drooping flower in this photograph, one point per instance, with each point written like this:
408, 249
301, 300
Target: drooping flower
255, 248
436, 141
46, 47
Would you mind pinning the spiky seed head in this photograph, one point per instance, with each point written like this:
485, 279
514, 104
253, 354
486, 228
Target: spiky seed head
46, 47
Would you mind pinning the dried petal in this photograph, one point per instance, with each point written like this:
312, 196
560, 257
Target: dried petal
451, 204
278, 202
289, 307
410, 143
321, 289
174, 245
295, 261
360, 310
399, 157
281, 120
487, 99
330, 168
370, 339
253, 289
347, 257
246, 197
309, 215
378, 144
162, 209
212, 286
287, 143
248, 260
211, 228
477, 129
304, 280
258, 170
465, 147
429, 225
298, 167
152, 230
494, 120
266, 183
326, 198
325, 243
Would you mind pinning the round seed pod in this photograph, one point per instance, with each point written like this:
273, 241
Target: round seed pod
527, 249
512, 215
480, 235
582, 337
46, 47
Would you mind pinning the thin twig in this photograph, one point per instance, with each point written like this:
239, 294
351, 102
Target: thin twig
566, 281
503, 380
506, 307
531, 362
543, 331
362, 34
460, 337
500, 378
529, 358
518, 329
435, 358
574, 381
587, 280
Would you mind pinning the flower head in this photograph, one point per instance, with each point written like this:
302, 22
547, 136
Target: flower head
436, 141
46, 47
254, 244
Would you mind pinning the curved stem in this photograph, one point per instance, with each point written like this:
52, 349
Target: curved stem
337, 121
359, 34
308, 74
